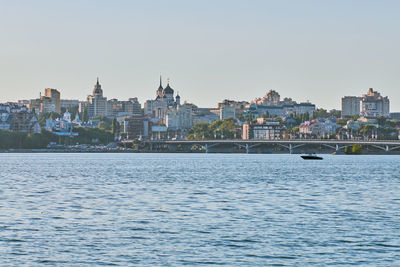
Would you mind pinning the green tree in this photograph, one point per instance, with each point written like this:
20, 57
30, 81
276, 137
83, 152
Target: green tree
356, 149
85, 115
115, 127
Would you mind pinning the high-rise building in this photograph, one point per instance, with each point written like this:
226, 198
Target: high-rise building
54, 96
374, 105
350, 106
370, 105
96, 103
50, 101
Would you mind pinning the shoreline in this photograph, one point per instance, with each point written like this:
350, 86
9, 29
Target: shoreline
75, 151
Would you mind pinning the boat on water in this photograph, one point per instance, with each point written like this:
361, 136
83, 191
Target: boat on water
312, 157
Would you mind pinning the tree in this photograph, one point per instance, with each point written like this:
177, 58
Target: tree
115, 127
381, 121
356, 149
85, 115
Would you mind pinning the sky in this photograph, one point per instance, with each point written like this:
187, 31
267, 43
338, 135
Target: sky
210, 49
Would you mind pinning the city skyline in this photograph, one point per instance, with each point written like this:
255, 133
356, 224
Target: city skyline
211, 51
166, 82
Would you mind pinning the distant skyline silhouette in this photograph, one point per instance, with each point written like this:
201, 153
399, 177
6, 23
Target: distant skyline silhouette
211, 50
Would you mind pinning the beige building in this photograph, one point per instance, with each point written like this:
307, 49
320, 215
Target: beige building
50, 102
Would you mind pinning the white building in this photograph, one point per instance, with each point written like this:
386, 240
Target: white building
179, 118
318, 128
159, 107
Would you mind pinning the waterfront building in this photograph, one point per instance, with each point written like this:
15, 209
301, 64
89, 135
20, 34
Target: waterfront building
179, 117
62, 126
318, 128
136, 126
263, 129
159, 132
18, 118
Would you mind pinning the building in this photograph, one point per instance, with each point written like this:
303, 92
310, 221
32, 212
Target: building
395, 115
369, 105
318, 128
231, 109
130, 107
136, 126
271, 104
179, 118
18, 118
263, 129
62, 126
50, 102
96, 103
374, 105
350, 106
203, 115
69, 104
164, 101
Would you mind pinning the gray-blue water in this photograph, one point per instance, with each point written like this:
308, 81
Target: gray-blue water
198, 209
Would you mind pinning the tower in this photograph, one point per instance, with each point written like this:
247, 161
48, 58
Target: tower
159, 92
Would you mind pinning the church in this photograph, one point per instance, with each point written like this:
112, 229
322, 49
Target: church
164, 101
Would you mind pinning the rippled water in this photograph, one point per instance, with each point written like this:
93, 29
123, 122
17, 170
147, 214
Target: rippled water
177, 209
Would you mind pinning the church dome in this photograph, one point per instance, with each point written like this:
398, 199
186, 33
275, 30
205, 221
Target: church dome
168, 90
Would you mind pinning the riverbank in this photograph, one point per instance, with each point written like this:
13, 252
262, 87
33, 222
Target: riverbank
47, 150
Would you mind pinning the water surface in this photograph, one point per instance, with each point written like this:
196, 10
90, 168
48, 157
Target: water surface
198, 209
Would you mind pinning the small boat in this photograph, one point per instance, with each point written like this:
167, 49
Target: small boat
311, 156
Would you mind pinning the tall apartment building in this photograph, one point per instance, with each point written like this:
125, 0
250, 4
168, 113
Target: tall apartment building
374, 105
350, 106
50, 102
96, 103
369, 105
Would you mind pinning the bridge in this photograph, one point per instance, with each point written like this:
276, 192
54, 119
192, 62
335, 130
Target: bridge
268, 146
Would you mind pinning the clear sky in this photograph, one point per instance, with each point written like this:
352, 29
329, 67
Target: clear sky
211, 50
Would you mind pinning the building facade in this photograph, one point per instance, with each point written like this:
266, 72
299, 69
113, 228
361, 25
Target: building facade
18, 118
374, 105
262, 130
350, 106
96, 103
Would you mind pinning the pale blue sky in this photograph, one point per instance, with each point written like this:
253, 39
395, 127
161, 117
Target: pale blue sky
212, 50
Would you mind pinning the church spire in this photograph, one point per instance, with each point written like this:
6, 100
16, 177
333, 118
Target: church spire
160, 80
